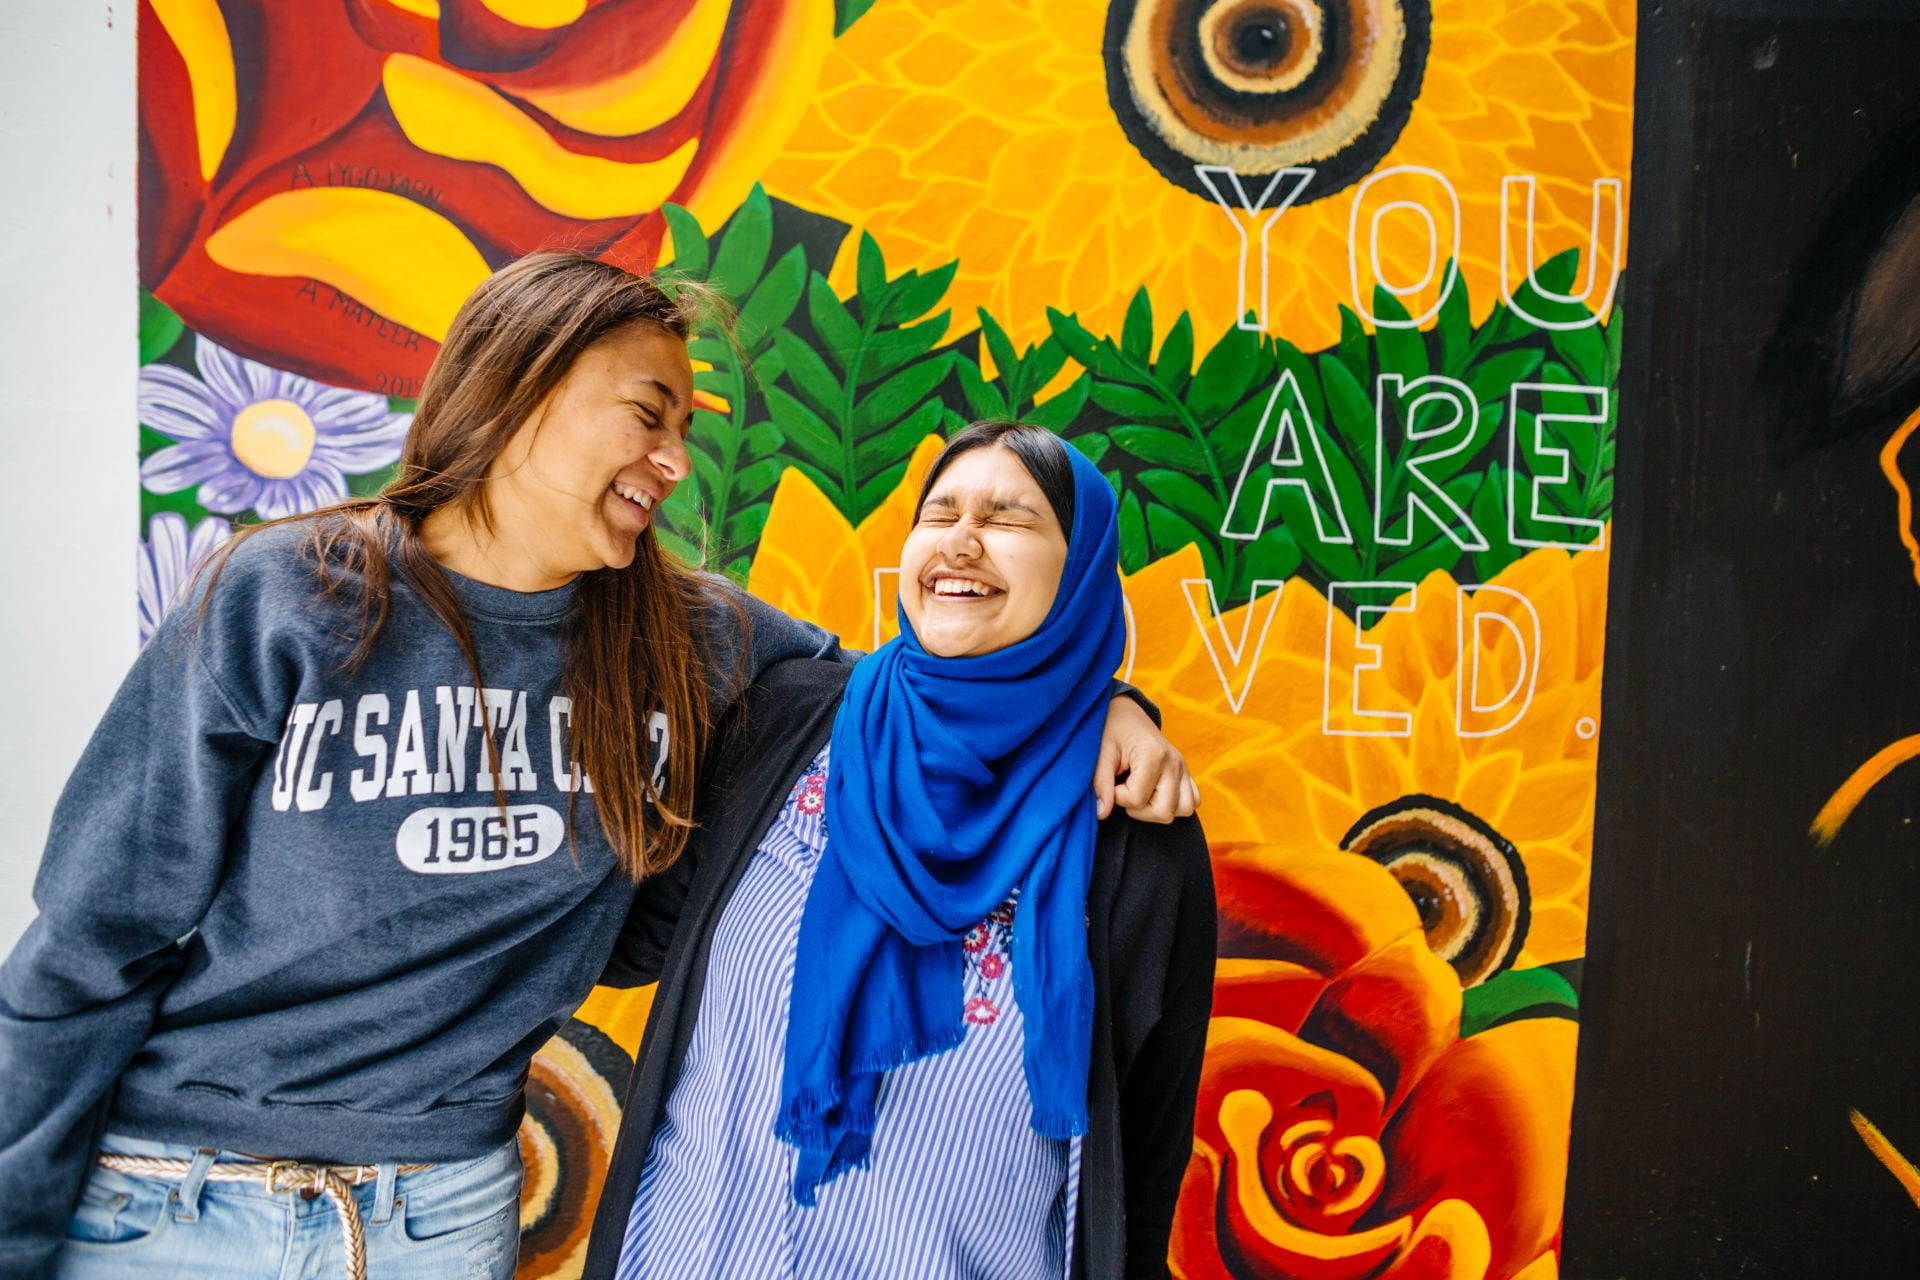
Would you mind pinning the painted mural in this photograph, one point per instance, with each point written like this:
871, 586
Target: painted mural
1329, 289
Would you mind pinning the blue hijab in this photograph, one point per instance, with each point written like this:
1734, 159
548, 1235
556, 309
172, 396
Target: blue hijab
955, 781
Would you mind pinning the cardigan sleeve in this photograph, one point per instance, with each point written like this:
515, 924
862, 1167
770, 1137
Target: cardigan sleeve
1157, 1098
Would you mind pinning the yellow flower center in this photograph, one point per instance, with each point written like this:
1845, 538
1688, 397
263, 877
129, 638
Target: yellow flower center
273, 438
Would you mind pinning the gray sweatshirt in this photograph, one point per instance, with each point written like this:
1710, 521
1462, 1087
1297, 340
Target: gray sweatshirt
280, 908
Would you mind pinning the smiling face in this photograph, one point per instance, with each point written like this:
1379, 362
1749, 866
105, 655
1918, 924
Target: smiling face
982, 565
582, 478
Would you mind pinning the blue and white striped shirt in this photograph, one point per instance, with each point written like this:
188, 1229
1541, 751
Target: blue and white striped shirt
958, 1184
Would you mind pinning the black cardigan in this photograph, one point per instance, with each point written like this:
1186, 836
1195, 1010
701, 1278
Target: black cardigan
1150, 933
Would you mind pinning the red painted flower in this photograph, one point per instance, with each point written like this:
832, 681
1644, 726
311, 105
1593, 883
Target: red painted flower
982, 1011
321, 184
976, 939
992, 965
1345, 1131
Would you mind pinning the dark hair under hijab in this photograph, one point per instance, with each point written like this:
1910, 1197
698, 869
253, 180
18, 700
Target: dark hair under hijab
1041, 452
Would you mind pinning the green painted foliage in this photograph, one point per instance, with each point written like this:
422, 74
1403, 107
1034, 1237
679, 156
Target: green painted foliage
714, 518
1189, 428
1186, 431
1516, 994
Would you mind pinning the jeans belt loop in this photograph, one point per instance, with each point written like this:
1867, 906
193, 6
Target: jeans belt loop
186, 1196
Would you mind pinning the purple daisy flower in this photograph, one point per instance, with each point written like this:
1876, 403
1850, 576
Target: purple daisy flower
255, 438
169, 557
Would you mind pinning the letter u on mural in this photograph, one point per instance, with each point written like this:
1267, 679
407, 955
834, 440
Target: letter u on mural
1327, 288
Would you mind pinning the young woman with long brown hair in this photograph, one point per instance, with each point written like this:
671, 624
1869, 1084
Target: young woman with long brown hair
359, 829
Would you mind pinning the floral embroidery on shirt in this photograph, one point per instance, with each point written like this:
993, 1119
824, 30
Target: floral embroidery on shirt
982, 1011
813, 793
986, 949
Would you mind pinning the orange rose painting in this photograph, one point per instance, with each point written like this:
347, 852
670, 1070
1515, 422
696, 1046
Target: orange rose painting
1328, 291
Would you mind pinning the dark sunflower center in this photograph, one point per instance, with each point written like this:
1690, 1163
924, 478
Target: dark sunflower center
1260, 39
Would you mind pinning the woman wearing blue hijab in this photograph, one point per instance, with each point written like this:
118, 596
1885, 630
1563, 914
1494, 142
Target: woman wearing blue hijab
921, 1011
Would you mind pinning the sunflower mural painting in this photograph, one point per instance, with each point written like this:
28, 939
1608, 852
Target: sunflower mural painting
1326, 287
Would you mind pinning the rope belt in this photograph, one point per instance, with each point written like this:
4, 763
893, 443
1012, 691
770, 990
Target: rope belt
335, 1181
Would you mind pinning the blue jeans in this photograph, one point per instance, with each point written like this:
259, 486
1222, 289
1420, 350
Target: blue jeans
458, 1221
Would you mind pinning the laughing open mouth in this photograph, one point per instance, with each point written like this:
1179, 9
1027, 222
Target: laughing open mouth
954, 587
638, 497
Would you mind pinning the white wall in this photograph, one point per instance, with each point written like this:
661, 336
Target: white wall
69, 483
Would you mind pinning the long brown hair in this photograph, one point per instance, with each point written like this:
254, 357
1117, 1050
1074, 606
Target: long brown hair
631, 647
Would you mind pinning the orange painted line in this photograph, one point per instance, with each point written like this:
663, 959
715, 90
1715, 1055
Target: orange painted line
1889, 467
1883, 1151
1869, 775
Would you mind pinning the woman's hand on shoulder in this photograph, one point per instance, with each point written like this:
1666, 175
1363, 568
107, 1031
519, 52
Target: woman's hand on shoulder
1140, 770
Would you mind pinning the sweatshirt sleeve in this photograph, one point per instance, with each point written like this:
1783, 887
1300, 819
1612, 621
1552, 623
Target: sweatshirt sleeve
132, 859
1162, 1085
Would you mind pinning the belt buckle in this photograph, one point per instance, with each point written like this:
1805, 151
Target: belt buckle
288, 1176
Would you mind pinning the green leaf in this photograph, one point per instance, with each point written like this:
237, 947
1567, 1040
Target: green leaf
1181, 492
871, 275
832, 321
1093, 444
690, 253
1493, 377
763, 439
160, 328
1455, 324
1072, 335
1175, 364
757, 478
876, 491
1354, 351
915, 294
1134, 551
744, 245
1132, 402
1554, 275
1490, 514
1226, 374
904, 390
848, 12
1505, 996
1275, 556
773, 299
1331, 561
1156, 444
890, 349
1584, 350
983, 400
810, 374
1402, 351
999, 345
744, 526
1351, 409
1136, 335
1441, 553
808, 435
1171, 531
898, 442
706, 472
1058, 413
1037, 368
